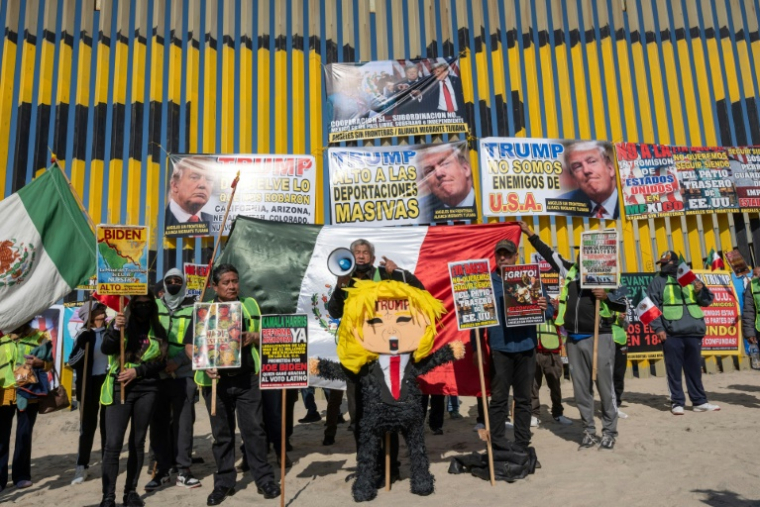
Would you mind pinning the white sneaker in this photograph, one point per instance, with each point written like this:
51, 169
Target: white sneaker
706, 407
563, 420
622, 415
508, 424
677, 410
80, 475
533, 422
479, 426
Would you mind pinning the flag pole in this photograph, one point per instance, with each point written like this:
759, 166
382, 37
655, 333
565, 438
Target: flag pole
484, 397
208, 272
76, 194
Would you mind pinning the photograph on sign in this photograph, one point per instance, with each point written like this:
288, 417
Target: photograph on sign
474, 299
123, 262
284, 351
195, 278
737, 262
600, 264
522, 290
217, 335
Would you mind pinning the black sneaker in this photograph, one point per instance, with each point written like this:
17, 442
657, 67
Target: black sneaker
589, 440
158, 481
310, 418
219, 494
437, 431
328, 441
608, 442
108, 502
186, 480
132, 499
269, 490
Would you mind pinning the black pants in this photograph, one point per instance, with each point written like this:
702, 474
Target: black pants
516, 370
93, 414
271, 403
334, 401
22, 454
437, 409
171, 429
684, 355
548, 365
359, 407
239, 395
138, 407
618, 374
291, 398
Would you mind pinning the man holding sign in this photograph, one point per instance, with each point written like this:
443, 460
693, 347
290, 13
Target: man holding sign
577, 313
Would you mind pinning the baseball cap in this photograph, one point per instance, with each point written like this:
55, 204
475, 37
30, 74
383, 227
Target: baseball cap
667, 256
506, 244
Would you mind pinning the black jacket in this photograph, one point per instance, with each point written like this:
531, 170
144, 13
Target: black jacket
338, 297
146, 372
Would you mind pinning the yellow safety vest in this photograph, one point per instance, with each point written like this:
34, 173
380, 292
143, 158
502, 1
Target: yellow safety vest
250, 309
619, 334
152, 352
176, 324
755, 288
12, 352
675, 297
604, 310
548, 336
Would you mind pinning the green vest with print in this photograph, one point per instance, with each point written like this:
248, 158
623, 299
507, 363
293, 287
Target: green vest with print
675, 297
619, 334
176, 324
604, 310
12, 354
152, 352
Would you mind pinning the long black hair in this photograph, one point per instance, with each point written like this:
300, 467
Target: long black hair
155, 324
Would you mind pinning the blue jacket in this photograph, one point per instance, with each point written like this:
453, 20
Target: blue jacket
513, 339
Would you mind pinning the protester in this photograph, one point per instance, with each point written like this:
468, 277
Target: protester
576, 313
751, 308
680, 329
89, 340
549, 366
144, 346
452, 406
513, 360
237, 393
437, 403
23, 346
333, 417
171, 429
309, 403
620, 337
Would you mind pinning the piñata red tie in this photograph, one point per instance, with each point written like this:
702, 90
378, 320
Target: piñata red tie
395, 366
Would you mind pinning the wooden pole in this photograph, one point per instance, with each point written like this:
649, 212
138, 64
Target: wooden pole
388, 461
121, 347
485, 405
596, 341
283, 441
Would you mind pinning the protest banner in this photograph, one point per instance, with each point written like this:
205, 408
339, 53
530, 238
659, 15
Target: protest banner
643, 343
284, 351
401, 185
548, 176
474, 300
549, 275
217, 333
522, 289
744, 162
705, 180
195, 279
600, 264
736, 262
272, 187
394, 98
122, 260
722, 317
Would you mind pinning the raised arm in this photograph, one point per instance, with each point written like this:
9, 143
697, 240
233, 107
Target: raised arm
328, 370
451, 352
553, 258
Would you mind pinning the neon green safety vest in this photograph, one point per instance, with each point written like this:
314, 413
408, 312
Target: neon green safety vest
175, 324
755, 288
675, 297
12, 353
152, 352
619, 334
250, 309
604, 310
548, 336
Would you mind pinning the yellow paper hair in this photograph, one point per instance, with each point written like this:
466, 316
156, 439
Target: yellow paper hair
361, 302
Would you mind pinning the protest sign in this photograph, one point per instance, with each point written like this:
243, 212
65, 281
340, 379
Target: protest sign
284, 351
744, 162
722, 317
272, 187
474, 299
217, 335
548, 176
736, 262
705, 180
600, 265
522, 289
643, 343
394, 98
549, 275
400, 185
195, 278
122, 260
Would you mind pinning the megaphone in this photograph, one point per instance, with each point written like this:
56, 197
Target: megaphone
341, 262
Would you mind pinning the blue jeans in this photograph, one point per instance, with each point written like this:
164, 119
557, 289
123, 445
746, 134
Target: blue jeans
308, 399
22, 455
684, 355
453, 404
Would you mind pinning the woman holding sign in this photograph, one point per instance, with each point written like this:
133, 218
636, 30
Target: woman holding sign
144, 350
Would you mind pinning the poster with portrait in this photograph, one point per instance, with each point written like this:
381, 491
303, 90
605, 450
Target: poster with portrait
474, 299
284, 351
394, 98
217, 335
401, 185
600, 260
522, 289
122, 261
272, 187
705, 180
549, 275
523, 176
744, 162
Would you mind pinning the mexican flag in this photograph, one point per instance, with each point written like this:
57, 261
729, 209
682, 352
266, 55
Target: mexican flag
46, 248
714, 261
284, 266
647, 311
685, 274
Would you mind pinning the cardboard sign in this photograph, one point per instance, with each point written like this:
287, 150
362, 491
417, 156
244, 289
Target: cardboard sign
217, 335
284, 352
722, 318
195, 277
737, 262
522, 289
474, 299
600, 265
122, 260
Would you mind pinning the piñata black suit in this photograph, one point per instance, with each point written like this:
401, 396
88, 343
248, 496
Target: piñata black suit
383, 413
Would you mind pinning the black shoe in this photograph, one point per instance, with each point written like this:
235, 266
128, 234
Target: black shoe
269, 490
328, 440
608, 442
219, 495
132, 499
437, 431
158, 481
589, 440
108, 502
310, 418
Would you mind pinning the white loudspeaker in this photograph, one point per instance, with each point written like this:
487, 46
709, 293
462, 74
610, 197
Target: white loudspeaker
341, 262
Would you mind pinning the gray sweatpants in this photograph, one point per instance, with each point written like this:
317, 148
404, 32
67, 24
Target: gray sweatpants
580, 356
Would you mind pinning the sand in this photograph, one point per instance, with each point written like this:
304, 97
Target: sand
660, 459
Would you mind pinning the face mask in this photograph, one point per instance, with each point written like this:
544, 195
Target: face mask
142, 312
670, 269
97, 329
363, 268
173, 289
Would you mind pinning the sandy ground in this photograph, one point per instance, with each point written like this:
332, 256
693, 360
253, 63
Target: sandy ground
696, 459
